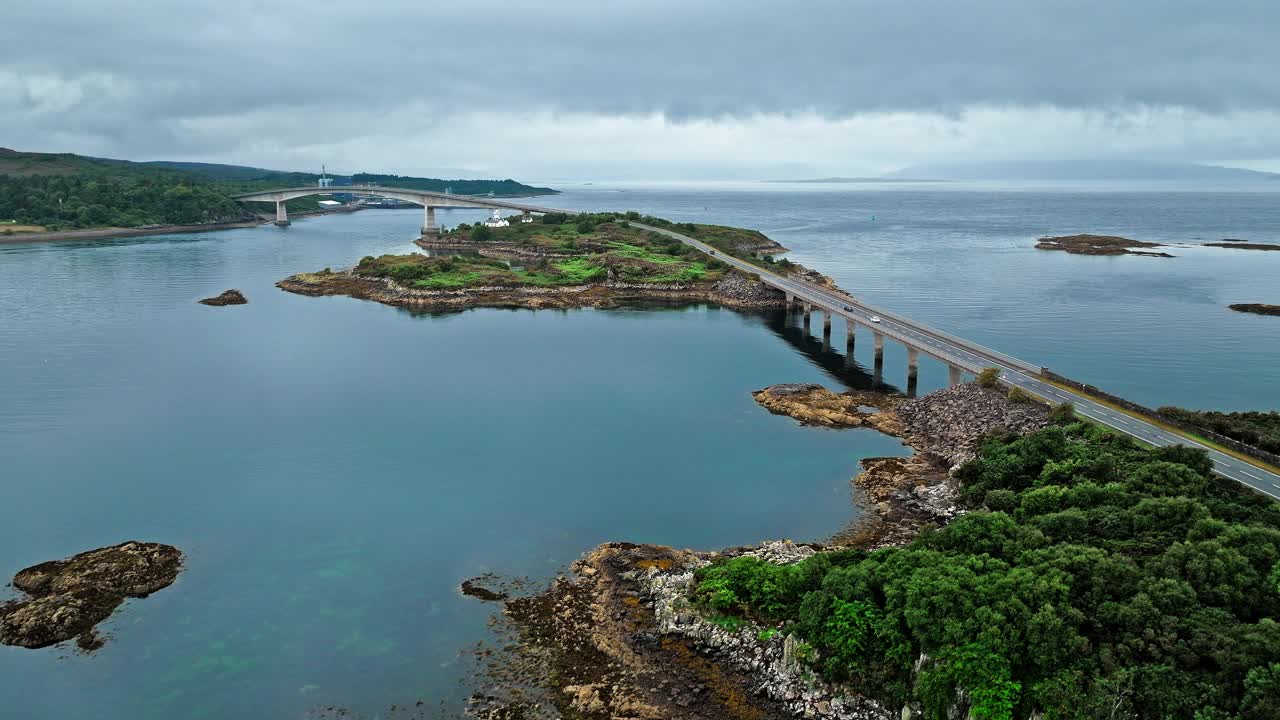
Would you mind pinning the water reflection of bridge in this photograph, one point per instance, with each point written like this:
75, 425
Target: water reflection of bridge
820, 352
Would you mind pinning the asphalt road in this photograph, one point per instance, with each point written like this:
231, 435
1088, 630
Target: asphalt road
974, 358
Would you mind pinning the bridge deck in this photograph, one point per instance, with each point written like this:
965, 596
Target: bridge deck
974, 357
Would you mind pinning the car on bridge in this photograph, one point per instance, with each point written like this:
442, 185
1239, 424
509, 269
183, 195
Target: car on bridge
874, 318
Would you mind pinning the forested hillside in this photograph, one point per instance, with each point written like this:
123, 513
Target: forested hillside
65, 191
1093, 578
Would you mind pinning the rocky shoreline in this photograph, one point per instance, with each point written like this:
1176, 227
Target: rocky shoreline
734, 289
620, 640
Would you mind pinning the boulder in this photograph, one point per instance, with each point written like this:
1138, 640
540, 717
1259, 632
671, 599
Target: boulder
230, 297
69, 597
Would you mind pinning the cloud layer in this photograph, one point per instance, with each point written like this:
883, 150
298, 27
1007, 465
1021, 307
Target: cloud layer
642, 89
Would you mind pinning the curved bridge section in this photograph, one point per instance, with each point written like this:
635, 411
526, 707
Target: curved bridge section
427, 199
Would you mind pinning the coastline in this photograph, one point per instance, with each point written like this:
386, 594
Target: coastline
618, 636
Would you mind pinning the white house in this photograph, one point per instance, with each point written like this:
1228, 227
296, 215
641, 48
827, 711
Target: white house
496, 220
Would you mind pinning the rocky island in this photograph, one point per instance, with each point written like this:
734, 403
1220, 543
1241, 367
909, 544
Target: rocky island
1242, 245
559, 261
1256, 308
1086, 244
228, 297
68, 598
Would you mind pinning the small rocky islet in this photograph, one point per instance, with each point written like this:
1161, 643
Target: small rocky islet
1256, 308
67, 599
1088, 244
227, 297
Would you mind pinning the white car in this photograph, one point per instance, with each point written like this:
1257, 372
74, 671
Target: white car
874, 318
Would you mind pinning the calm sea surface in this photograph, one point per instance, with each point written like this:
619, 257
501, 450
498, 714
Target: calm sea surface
334, 468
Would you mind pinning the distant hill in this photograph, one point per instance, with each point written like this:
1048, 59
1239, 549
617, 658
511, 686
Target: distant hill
239, 178
1081, 170
838, 180
70, 192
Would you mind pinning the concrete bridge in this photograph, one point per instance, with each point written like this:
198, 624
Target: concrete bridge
427, 199
959, 355
962, 356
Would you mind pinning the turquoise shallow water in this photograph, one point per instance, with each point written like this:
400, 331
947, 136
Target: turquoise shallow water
335, 468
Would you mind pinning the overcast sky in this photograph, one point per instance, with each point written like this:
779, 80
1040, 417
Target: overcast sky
659, 89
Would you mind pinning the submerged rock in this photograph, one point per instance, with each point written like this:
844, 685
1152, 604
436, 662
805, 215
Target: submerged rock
230, 297
69, 597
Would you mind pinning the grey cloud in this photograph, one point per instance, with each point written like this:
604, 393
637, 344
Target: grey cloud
182, 60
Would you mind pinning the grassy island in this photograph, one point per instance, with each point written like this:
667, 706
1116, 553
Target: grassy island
1092, 578
555, 260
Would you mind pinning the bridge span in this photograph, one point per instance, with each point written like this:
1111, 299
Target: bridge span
959, 355
427, 199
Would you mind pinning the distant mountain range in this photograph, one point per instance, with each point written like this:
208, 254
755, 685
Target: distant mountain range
32, 164
1080, 170
856, 180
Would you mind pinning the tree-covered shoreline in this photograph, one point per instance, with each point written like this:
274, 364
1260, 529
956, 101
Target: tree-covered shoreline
73, 192
1093, 578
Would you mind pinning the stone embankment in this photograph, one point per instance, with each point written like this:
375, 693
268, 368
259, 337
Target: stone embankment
951, 422
733, 289
68, 598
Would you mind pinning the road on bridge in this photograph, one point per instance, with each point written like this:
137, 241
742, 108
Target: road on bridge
975, 357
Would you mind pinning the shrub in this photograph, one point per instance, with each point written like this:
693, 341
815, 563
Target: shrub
989, 377
1064, 413
481, 232
1018, 395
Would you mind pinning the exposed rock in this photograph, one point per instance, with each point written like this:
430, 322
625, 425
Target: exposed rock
475, 589
69, 597
1241, 245
951, 421
815, 405
230, 297
1097, 245
1258, 308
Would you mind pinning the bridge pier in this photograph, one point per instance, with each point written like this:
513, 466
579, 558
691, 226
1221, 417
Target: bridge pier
808, 312
429, 229
879, 348
826, 324
849, 327
791, 304
913, 370
953, 375
282, 214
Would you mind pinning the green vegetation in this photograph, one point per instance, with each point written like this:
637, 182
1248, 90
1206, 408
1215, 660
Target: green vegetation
1092, 579
989, 377
1063, 413
65, 192
590, 248
1018, 395
1259, 429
